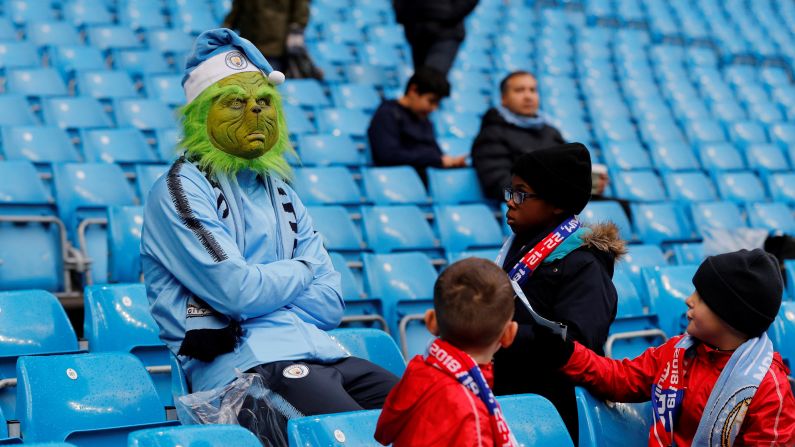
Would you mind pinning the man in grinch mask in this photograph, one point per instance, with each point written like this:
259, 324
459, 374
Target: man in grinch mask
236, 275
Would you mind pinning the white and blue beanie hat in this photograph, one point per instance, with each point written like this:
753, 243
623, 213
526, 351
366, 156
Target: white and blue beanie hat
220, 53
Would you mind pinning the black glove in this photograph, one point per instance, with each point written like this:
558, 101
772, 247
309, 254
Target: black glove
552, 348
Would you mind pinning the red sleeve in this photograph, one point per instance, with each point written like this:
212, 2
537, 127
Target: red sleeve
617, 380
771, 417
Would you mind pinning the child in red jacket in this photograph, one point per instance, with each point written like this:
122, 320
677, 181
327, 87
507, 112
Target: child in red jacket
721, 383
444, 397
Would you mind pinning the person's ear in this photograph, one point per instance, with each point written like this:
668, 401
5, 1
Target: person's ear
430, 322
509, 334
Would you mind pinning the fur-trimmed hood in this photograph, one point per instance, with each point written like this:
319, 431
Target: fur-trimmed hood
606, 238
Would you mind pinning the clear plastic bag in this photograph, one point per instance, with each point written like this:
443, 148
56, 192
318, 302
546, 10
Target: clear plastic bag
246, 402
718, 241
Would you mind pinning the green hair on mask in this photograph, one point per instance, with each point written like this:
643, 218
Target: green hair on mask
198, 146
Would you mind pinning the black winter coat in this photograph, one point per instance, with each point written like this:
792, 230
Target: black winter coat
433, 19
499, 144
576, 290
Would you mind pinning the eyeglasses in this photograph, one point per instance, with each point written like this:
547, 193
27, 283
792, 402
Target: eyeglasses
517, 196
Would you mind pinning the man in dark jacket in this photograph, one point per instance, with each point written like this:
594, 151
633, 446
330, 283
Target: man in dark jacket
400, 132
569, 280
509, 130
434, 29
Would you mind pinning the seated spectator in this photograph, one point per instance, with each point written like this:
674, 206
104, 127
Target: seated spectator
400, 132
510, 130
437, 402
721, 383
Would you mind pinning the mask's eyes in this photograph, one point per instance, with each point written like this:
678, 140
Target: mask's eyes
236, 103
264, 102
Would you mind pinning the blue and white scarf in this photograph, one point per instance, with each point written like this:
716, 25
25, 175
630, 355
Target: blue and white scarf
525, 122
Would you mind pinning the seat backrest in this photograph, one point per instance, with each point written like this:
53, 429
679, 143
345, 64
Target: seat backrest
394, 185
125, 224
87, 13
461, 125
59, 395
336, 227
107, 37
720, 156
450, 186
304, 92
14, 110
140, 62
721, 215
534, 420
75, 113
766, 157
117, 318
146, 176
351, 288
339, 121
169, 40
782, 332
668, 289
314, 186
399, 276
335, 430
772, 216
374, 345
782, 187
19, 55
35, 82
21, 191
605, 424
661, 222
124, 145
324, 150
674, 156
740, 187
194, 436
70, 59
106, 84
144, 114
608, 211
464, 227
641, 186
629, 302
690, 187
38, 144
397, 228
355, 96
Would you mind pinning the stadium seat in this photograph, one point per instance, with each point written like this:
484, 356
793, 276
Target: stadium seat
142, 14
117, 319
106, 84
397, 228
306, 93
608, 211
394, 185
661, 222
192, 20
122, 146
460, 125
35, 82
720, 157
113, 37
124, 241
343, 32
705, 131
343, 122
54, 391
37, 318
455, 146
144, 114
297, 121
782, 134
325, 150
140, 62
335, 225
489, 254
334, 430
746, 133
720, 215
18, 55
689, 187
168, 143
404, 284
146, 176
380, 55
333, 53
776, 217
674, 156
626, 155
690, 253
313, 186
782, 330
740, 187
668, 289
639, 186
38, 144
633, 330
360, 309
637, 258
451, 186
75, 113
51, 33
194, 436
373, 345
605, 424
467, 227
87, 13
166, 88
368, 75
24, 11
71, 59
766, 157
782, 187
533, 420
15, 111
355, 96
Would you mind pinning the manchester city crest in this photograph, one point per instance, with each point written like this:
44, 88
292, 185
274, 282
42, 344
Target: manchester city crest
236, 61
296, 371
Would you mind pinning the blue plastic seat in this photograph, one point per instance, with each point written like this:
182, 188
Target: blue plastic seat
54, 392
674, 156
389, 34
720, 157
603, 424
373, 345
782, 187
7, 31
305, 93
765, 157
451, 186
106, 84
15, 111
343, 122
705, 131
51, 33
489, 254
368, 75
637, 258
690, 187
533, 420
333, 53
117, 319
312, 185
194, 436
746, 133
455, 146
608, 211
24, 11
87, 13
728, 111
740, 187
124, 240
360, 309
113, 37
394, 185
404, 283
140, 62
626, 155
782, 134
35, 82
166, 88
75, 113
142, 14
144, 114
121, 145
782, 330
776, 217
37, 318
461, 125
38, 144
146, 175
661, 222
640, 186
381, 55
720, 215
355, 96
335, 225
465, 102
343, 32
19, 55
297, 121
71, 59
668, 289
467, 227
689, 253
334, 430
633, 330
397, 228
192, 20
325, 150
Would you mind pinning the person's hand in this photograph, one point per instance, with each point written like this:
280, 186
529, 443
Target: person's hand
551, 347
454, 162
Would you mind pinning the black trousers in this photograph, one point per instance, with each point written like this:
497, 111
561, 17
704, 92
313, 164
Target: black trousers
315, 388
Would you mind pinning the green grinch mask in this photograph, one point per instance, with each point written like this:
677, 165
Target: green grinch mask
237, 123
